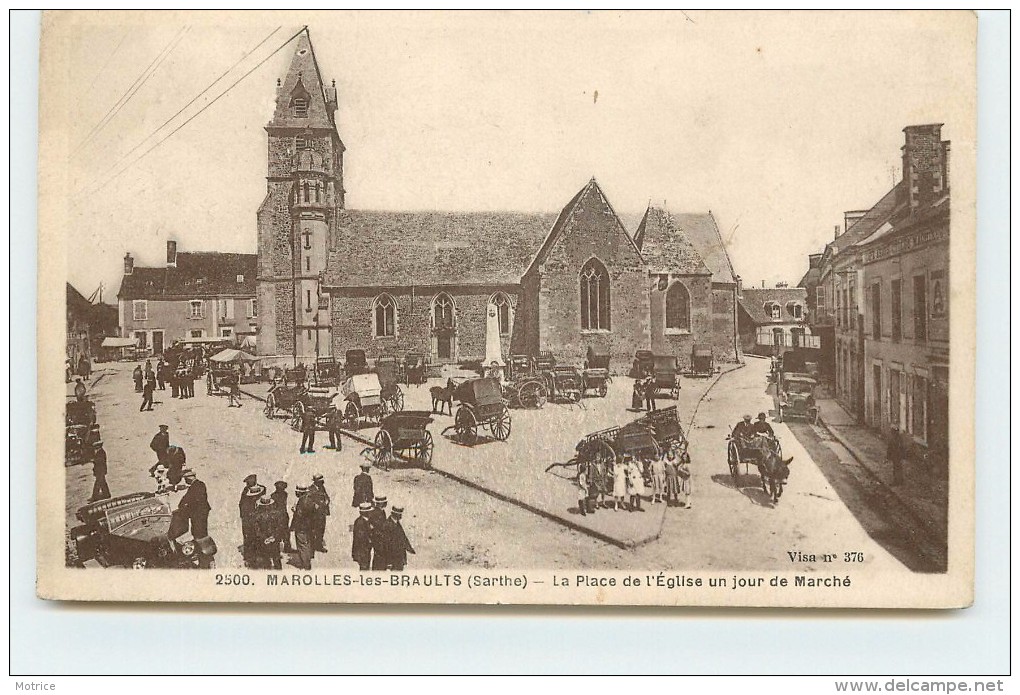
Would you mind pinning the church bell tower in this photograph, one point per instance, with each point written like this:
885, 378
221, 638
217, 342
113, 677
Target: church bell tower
304, 193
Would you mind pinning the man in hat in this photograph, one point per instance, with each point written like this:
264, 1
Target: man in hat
378, 519
79, 389
194, 506
743, 430
265, 529
648, 388
763, 427
147, 392
302, 524
100, 490
282, 515
361, 544
319, 488
397, 546
246, 507
336, 422
308, 430
174, 460
161, 374
159, 444
363, 487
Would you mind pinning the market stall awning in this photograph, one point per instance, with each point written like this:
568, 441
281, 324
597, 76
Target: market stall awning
232, 355
113, 342
248, 343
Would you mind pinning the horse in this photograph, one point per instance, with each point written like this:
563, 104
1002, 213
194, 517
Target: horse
773, 469
443, 396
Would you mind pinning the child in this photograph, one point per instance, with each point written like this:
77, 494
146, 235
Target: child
684, 471
619, 484
658, 467
672, 479
635, 484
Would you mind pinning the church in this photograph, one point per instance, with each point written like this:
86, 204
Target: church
332, 279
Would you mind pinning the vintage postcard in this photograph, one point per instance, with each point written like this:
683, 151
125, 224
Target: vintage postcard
665, 308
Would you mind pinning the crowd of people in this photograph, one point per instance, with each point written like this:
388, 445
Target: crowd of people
623, 484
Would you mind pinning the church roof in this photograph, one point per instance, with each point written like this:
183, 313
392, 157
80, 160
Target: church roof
399, 249
197, 275
303, 80
665, 246
704, 234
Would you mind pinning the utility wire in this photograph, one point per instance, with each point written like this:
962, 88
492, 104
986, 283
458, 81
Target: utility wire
183, 108
135, 86
107, 62
196, 114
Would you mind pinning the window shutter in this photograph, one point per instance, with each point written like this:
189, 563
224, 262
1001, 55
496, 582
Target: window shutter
230, 308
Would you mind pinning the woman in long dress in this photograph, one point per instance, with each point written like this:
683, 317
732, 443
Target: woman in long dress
598, 480
672, 479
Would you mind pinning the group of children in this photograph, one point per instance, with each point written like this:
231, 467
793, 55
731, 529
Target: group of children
627, 481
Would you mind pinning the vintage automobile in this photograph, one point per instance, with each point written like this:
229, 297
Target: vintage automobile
702, 360
134, 531
355, 362
415, 368
595, 376
403, 436
481, 405
524, 388
327, 372
797, 397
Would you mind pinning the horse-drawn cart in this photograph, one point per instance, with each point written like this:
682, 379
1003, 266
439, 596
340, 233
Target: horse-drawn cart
387, 368
220, 378
524, 388
327, 371
764, 453
644, 438
283, 399
702, 361
596, 372
355, 362
666, 375
415, 368
403, 436
481, 405
320, 402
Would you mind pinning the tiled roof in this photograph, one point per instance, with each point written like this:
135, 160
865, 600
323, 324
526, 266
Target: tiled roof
665, 246
810, 278
390, 249
753, 302
197, 275
876, 216
704, 234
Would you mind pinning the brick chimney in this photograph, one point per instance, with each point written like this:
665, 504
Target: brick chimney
129, 264
925, 164
171, 254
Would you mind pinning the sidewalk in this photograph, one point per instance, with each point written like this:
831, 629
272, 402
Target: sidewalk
924, 494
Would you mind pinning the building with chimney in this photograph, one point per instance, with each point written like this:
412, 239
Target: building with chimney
195, 296
772, 320
332, 279
881, 287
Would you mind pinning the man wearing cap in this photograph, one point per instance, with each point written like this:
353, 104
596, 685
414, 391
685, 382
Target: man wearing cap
301, 524
147, 392
397, 546
377, 517
194, 506
363, 487
319, 488
308, 431
100, 491
282, 515
174, 461
763, 427
159, 444
361, 544
246, 507
336, 423
264, 529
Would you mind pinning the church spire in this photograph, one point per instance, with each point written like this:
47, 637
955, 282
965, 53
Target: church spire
302, 99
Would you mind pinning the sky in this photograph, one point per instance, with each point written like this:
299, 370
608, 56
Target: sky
776, 122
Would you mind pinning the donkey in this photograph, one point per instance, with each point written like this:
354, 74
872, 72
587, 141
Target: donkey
774, 472
442, 396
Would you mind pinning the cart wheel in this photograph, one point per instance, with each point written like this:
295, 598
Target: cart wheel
270, 407
351, 416
385, 408
383, 449
733, 459
295, 415
602, 389
533, 395
465, 426
398, 400
425, 450
501, 425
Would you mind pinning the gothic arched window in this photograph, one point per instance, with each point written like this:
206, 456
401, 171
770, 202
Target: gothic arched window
678, 307
594, 296
443, 314
384, 311
504, 311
